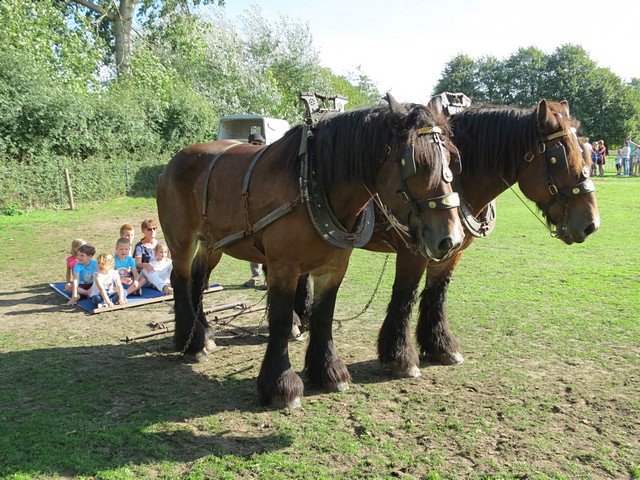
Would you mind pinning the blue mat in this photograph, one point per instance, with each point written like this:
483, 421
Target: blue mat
149, 295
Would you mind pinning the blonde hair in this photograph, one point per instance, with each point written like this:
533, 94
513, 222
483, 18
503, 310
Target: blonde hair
160, 245
105, 261
75, 244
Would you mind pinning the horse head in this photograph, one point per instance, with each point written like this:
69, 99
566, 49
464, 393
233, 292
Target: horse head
566, 197
414, 181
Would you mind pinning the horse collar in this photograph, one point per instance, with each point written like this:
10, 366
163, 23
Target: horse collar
482, 225
320, 212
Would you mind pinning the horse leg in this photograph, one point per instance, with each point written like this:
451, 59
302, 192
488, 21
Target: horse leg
278, 384
395, 345
437, 343
303, 301
324, 368
189, 336
200, 272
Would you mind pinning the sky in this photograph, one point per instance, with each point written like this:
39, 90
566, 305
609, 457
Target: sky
404, 45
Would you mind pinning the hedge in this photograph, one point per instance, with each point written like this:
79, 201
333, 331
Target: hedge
41, 183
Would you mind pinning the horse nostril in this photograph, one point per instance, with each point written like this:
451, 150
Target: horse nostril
590, 229
445, 245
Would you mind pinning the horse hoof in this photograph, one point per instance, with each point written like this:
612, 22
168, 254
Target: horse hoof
338, 387
411, 372
447, 358
279, 402
209, 345
398, 371
296, 335
198, 357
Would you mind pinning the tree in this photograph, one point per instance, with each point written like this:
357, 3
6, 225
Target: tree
459, 75
115, 21
524, 74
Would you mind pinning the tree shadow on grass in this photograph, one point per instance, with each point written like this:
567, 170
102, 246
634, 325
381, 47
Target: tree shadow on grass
90, 409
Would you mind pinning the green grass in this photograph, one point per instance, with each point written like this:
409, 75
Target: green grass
549, 387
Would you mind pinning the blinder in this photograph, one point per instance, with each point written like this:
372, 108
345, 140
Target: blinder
408, 168
408, 163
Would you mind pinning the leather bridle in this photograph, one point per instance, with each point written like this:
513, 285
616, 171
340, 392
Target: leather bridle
556, 161
407, 169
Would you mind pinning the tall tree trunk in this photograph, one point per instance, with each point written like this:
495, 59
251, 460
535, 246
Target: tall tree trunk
123, 23
122, 17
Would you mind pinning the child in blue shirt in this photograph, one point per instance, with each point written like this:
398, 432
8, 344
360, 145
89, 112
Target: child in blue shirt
83, 272
126, 268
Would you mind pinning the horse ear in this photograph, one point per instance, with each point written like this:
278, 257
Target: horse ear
565, 105
436, 103
546, 120
395, 106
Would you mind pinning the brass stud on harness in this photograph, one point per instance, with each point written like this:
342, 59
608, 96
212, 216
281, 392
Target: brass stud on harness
553, 160
576, 191
432, 205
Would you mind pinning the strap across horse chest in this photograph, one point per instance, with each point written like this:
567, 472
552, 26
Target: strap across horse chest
320, 212
264, 221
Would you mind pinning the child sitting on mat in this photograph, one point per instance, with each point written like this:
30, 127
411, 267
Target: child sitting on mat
125, 265
71, 261
83, 272
107, 289
160, 277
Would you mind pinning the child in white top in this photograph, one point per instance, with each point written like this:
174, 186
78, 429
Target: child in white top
160, 277
106, 284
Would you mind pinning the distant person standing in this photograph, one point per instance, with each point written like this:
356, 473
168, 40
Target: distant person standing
594, 159
625, 161
633, 162
256, 278
602, 155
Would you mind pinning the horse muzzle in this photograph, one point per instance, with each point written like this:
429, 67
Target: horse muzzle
439, 239
576, 230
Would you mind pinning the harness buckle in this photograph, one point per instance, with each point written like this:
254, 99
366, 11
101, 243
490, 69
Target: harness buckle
403, 195
553, 190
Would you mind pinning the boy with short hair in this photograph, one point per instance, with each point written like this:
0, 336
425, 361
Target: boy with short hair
83, 272
126, 231
125, 265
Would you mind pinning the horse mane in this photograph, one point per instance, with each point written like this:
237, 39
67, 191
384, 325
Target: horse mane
494, 139
351, 146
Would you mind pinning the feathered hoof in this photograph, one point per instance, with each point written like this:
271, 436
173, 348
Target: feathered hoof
446, 359
338, 387
279, 402
198, 357
296, 335
209, 344
398, 371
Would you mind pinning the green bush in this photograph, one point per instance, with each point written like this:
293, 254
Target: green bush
42, 184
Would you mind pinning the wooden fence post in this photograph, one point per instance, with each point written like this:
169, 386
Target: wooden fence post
69, 191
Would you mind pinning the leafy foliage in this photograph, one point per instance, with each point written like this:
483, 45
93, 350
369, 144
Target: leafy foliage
62, 105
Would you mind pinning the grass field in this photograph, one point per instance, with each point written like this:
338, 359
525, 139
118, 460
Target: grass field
550, 386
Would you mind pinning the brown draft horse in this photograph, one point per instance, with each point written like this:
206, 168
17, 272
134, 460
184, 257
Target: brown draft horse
254, 206
499, 146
